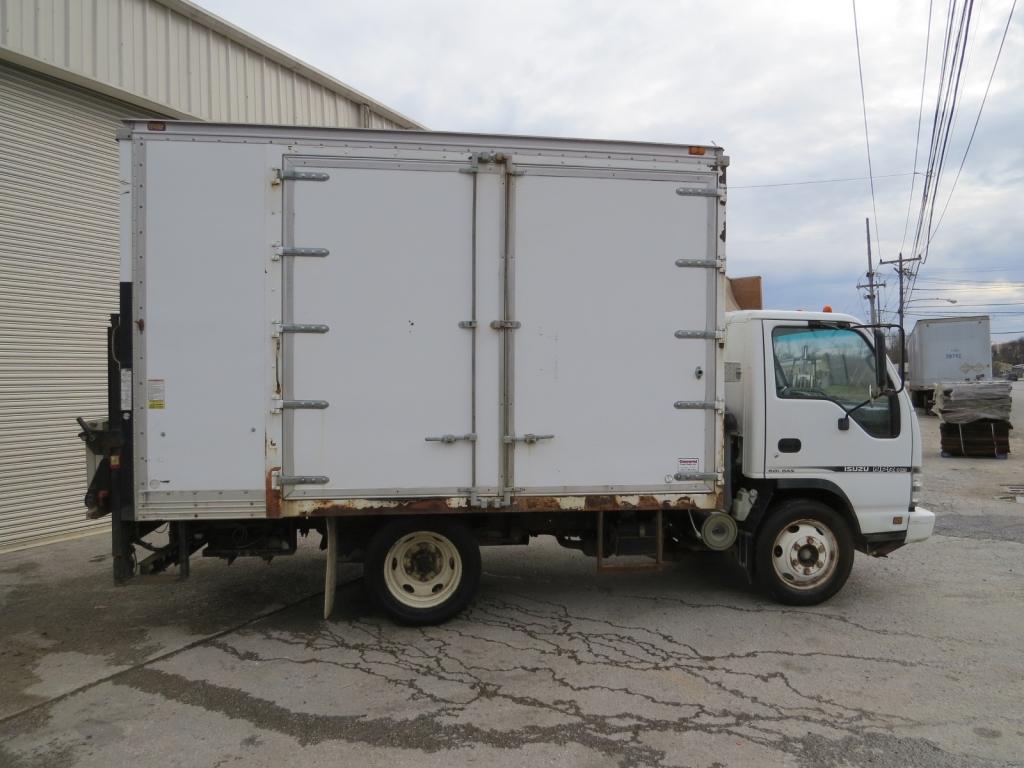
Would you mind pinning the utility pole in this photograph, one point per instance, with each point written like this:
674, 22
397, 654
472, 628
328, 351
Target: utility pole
900, 274
872, 295
871, 285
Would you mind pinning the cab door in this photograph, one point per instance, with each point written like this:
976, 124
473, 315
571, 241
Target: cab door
814, 376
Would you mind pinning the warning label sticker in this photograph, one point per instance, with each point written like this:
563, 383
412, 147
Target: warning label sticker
156, 393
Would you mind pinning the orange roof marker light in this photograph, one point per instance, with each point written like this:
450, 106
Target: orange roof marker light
697, 150
827, 308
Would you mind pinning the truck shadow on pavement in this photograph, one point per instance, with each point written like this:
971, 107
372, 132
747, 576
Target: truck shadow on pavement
553, 663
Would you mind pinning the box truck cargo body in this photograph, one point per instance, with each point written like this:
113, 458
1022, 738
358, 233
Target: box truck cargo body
948, 349
417, 343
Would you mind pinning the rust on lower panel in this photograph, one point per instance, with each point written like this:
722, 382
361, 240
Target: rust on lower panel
273, 494
461, 505
360, 507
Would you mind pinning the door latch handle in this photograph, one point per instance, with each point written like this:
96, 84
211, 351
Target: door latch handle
448, 439
529, 438
789, 445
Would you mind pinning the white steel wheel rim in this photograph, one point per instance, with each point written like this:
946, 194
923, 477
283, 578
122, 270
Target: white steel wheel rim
422, 569
805, 554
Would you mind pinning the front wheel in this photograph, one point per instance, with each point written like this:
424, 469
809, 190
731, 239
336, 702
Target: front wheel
422, 571
804, 552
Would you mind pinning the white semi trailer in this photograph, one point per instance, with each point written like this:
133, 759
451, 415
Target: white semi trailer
947, 349
419, 343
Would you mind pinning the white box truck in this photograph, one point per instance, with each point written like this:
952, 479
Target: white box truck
419, 343
947, 349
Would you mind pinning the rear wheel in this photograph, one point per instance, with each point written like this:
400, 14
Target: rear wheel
422, 571
804, 552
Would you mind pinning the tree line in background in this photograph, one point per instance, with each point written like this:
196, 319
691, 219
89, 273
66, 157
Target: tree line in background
1008, 353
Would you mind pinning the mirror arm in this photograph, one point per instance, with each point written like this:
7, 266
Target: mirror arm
844, 420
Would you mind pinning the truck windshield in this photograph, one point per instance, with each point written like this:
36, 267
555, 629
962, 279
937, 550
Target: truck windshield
836, 364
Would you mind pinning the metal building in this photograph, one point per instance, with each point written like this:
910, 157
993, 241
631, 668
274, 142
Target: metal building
69, 73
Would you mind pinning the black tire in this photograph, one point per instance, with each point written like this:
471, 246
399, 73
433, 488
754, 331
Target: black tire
423, 546
794, 549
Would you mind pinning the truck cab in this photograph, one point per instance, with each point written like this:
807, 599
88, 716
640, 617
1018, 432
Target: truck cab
809, 422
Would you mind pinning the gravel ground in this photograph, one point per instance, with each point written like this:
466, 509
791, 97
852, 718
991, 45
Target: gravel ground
918, 662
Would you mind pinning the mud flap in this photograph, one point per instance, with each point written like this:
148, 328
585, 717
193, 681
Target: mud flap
331, 572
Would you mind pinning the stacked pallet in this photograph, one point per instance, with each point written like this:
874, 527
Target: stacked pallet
975, 418
980, 439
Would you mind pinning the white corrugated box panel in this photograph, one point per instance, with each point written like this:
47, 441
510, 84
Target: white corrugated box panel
176, 58
58, 285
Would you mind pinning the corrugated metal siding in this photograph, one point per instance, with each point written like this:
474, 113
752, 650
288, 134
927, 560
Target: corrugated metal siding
58, 284
173, 54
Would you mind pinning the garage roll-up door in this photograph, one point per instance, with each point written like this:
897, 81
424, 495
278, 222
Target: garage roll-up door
58, 284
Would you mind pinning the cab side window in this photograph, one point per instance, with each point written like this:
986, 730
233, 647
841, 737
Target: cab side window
836, 364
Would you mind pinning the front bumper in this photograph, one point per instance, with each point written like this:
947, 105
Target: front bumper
920, 525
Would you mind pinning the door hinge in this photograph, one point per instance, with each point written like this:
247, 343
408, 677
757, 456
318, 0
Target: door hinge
467, 324
682, 476
293, 174
708, 405
696, 192
295, 251
718, 334
718, 264
505, 325
529, 438
469, 437
283, 480
280, 328
296, 405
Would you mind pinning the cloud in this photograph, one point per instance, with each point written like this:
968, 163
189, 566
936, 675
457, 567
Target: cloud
776, 84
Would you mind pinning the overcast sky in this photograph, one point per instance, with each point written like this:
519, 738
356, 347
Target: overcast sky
774, 83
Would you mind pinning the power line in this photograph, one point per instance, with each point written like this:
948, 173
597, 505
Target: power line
965, 25
946, 99
867, 140
971, 306
961, 314
920, 112
1007, 268
977, 120
968, 55
935, 126
941, 119
975, 288
822, 181
983, 283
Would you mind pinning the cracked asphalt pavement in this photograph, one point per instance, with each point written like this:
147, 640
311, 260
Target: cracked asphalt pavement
917, 662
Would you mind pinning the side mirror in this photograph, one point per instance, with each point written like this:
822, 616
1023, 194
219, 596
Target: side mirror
881, 370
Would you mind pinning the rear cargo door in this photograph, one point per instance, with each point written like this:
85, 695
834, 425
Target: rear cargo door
614, 285
378, 337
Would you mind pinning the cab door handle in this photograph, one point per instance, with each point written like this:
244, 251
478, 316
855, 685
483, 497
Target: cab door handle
789, 445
